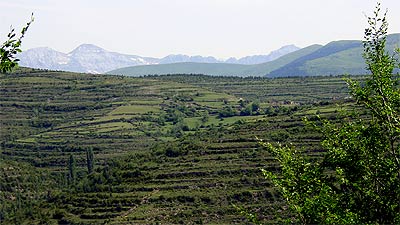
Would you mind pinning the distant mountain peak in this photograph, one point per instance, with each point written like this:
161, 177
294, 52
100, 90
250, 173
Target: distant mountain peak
177, 58
41, 49
87, 48
258, 59
289, 47
283, 51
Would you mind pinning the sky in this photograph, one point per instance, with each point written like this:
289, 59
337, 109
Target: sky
219, 28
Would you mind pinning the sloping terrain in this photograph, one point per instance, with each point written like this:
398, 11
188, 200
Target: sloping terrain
335, 58
216, 69
167, 149
303, 66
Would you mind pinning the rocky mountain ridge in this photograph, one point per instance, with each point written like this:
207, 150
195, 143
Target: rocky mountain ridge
90, 58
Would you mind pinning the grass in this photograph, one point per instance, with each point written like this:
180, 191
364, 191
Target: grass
135, 109
107, 127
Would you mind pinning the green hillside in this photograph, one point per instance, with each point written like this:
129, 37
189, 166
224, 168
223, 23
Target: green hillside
266, 68
216, 69
167, 149
335, 58
303, 67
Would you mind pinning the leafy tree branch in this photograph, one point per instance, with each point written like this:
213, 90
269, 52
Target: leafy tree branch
11, 47
357, 180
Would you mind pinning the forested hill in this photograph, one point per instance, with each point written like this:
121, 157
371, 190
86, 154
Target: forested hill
334, 58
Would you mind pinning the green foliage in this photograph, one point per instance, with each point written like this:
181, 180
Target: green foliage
249, 216
90, 159
226, 111
71, 170
205, 117
358, 178
307, 189
23, 189
255, 106
10, 48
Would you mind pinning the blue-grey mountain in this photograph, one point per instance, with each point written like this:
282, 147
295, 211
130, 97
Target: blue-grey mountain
257, 59
92, 59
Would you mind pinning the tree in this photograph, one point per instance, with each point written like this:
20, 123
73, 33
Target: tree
90, 159
71, 169
10, 48
226, 111
205, 117
255, 106
357, 180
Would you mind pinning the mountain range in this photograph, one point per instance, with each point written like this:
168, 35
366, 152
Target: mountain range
335, 58
89, 58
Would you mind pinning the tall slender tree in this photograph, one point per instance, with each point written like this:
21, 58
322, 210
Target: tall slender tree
90, 159
71, 170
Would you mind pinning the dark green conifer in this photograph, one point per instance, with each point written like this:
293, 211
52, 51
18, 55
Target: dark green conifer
71, 170
90, 159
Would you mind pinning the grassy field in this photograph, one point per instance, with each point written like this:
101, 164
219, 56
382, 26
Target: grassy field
168, 149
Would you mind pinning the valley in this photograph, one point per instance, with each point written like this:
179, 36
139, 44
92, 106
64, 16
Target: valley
167, 149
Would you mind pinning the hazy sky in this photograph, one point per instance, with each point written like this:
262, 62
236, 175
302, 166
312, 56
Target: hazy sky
219, 28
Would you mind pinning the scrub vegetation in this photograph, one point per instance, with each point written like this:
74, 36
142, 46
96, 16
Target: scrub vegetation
168, 149
196, 149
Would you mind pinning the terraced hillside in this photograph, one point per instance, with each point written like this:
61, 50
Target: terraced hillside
276, 91
61, 107
173, 149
